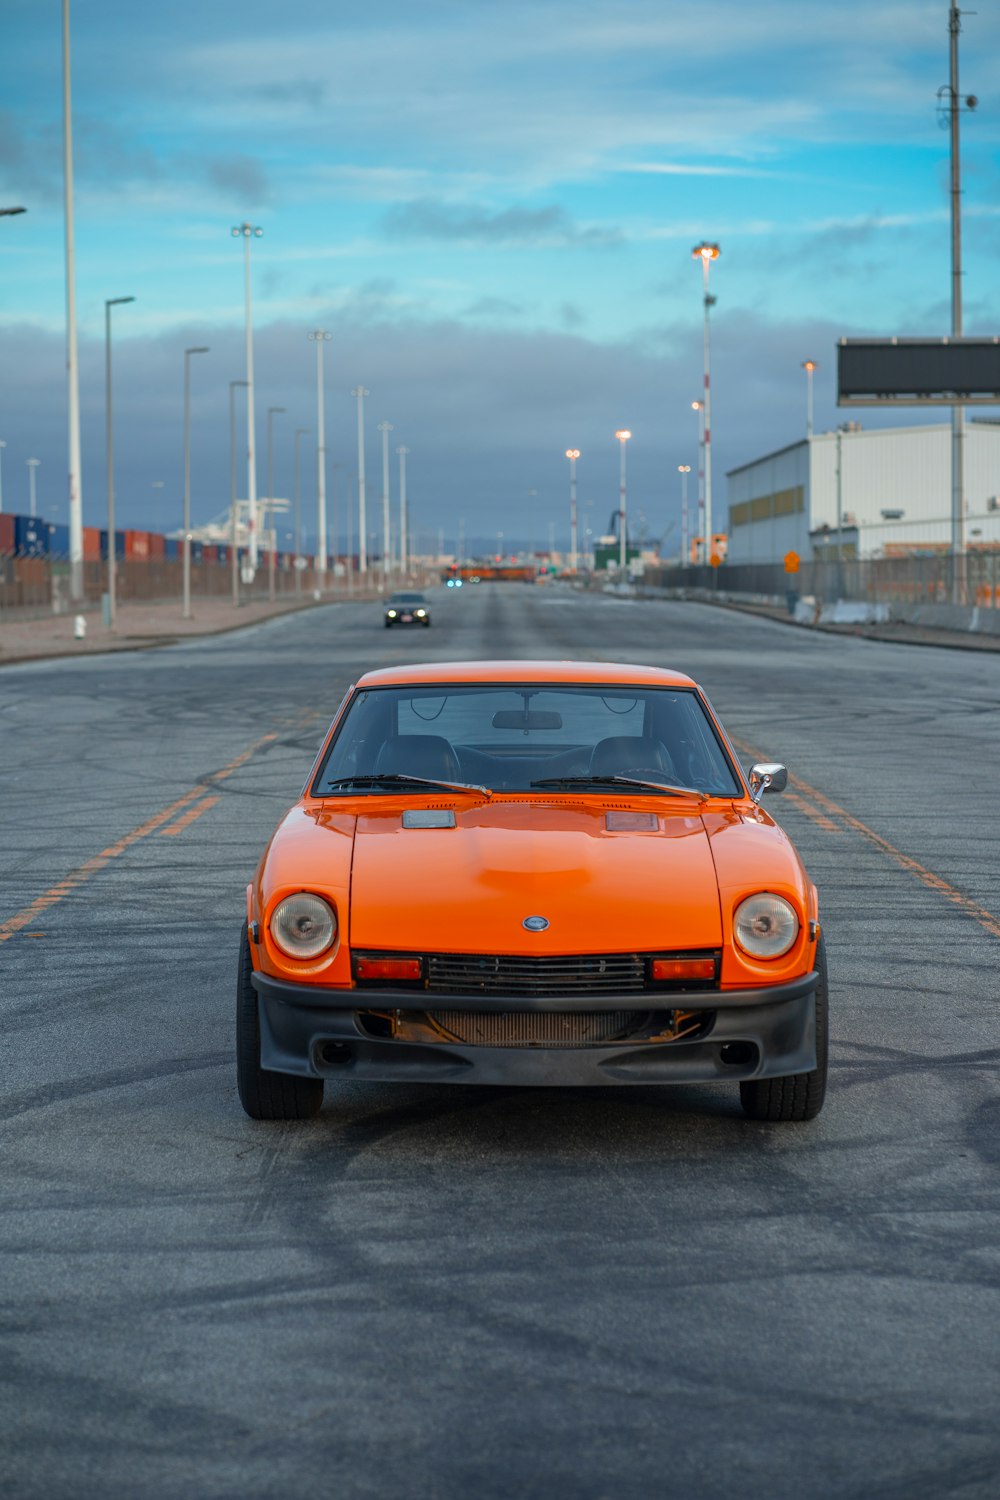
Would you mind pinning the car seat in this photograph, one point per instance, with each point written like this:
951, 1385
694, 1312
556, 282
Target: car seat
427, 755
632, 755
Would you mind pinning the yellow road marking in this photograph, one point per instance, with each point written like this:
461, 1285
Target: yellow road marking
90, 867
986, 919
813, 812
188, 818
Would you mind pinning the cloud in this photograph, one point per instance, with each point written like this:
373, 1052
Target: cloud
434, 219
493, 307
242, 179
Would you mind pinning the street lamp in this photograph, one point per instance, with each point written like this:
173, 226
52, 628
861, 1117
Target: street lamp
319, 337
706, 253
360, 392
623, 436
75, 490
2, 447
202, 349
32, 466
809, 365
109, 303
684, 470
403, 537
300, 432
572, 454
248, 233
233, 526
699, 407
385, 428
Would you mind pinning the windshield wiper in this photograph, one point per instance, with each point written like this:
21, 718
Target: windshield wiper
615, 780
407, 783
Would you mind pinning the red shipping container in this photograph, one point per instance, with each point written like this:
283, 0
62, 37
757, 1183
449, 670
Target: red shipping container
210, 553
92, 543
6, 533
137, 546
157, 546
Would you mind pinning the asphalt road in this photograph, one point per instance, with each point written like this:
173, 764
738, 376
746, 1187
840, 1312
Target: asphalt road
451, 1292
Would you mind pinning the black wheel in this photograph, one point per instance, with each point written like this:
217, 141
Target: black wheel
799, 1096
388, 624
426, 624
264, 1095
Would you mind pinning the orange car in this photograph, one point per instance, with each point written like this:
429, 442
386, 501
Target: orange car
546, 873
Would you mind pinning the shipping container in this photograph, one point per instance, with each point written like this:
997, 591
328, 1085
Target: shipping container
119, 546
197, 551
31, 536
58, 540
225, 555
210, 552
6, 533
137, 546
157, 546
91, 543
171, 548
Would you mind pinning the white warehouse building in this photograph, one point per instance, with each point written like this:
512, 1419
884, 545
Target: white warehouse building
892, 495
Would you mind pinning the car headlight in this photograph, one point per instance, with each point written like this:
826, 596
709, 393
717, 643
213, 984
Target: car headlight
391, 613
421, 613
765, 926
303, 926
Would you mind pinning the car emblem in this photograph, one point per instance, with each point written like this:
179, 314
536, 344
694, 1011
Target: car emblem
535, 924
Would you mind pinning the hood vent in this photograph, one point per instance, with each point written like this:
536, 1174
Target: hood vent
429, 817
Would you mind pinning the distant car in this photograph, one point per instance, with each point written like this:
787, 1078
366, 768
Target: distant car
407, 609
531, 873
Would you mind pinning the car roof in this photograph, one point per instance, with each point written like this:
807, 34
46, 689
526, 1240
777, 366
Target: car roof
613, 673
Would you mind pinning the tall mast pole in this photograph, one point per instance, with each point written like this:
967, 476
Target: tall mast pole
72, 364
957, 411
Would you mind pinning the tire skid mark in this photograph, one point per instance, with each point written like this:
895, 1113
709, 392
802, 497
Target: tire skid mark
932, 881
79, 876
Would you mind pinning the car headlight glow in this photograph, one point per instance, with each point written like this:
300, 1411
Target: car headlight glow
391, 613
421, 613
303, 926
765, 925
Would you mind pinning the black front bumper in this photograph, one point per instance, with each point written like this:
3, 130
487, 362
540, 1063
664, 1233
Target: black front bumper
755, 1033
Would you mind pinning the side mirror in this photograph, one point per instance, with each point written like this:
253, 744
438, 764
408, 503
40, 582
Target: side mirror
767, 776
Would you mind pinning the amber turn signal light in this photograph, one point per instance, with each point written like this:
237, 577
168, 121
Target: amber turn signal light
388, 968
683, 968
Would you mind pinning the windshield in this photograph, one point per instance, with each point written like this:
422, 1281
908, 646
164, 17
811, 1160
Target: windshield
509, 738
407, 599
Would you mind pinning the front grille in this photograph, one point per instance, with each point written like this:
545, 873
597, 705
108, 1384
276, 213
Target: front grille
531, 1029
505, 974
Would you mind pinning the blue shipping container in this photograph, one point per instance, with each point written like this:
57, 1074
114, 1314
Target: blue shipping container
197, 552
119, 546
31, 536
171, 547
59, 540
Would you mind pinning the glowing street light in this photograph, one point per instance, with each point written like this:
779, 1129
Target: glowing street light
623, 436
706, 253
572, 454
249, 232
809, 365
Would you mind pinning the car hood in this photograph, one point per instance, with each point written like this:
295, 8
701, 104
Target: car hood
647, 881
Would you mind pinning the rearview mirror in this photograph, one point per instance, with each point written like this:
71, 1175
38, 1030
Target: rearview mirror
526, 718
767, 776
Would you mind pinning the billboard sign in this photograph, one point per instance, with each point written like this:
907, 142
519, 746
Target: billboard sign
918, 372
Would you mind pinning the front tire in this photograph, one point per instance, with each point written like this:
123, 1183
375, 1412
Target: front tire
799, 1096
265, 1095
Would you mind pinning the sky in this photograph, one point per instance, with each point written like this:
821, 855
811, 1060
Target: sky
490, 205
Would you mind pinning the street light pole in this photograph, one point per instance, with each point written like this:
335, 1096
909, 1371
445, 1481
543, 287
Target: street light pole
272, 411
706, 253
72, 363
249, 232
404, 541
32, 466
109, 303
233, 525
300, 432
2, 447
957, 411
623, 436
360, 392
572, 454
319, 337
684, 470
809, 365
699, 407
385, 428
186, 610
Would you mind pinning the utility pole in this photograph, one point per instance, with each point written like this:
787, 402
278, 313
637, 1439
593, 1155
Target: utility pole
360, 392
319, 337
385, 428
957, 410
404, 541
